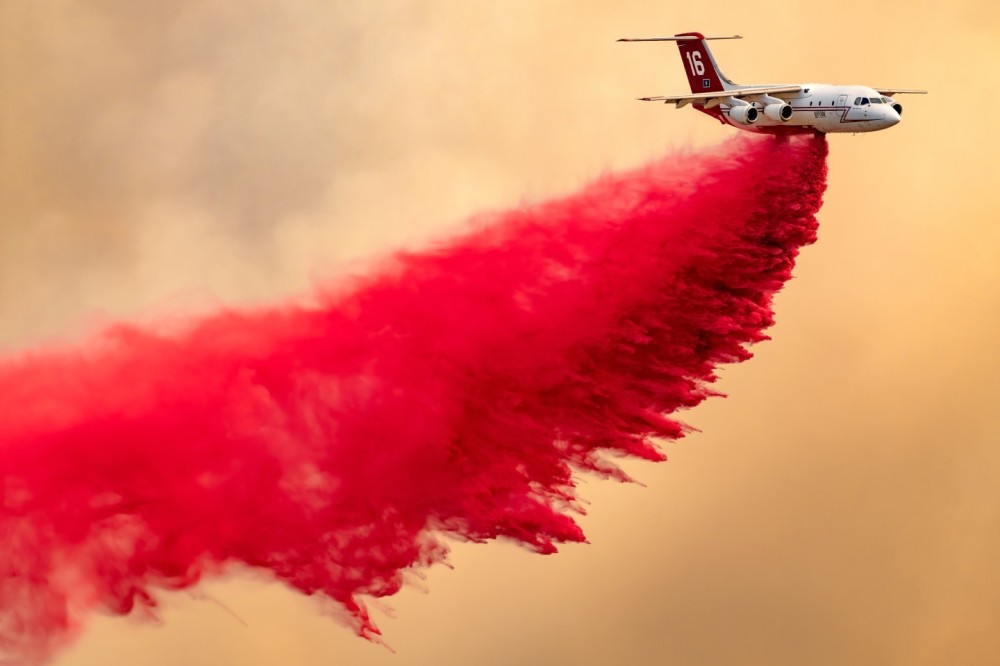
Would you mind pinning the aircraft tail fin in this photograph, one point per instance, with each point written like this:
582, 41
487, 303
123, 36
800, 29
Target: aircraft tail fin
702, 71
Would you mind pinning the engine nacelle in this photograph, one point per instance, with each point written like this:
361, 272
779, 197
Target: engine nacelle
743, 114
778, 112
898, 107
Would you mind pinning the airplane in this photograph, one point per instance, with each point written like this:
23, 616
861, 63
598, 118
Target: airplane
777, 109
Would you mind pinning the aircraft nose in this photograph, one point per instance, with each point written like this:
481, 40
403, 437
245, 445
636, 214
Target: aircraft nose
890, 117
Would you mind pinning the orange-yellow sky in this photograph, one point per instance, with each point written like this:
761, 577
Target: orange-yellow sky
841, 506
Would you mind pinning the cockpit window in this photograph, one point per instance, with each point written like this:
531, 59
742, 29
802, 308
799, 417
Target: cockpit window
857, 101
876, 100
864, 100
887, 100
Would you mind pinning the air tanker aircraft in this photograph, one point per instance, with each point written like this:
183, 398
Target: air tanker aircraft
777, 109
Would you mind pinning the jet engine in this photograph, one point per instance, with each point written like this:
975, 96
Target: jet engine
778, 112
898, 107
743, 114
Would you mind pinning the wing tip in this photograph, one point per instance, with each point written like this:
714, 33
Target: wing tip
900, 91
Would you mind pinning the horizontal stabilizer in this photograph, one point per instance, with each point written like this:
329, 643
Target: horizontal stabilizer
682, 38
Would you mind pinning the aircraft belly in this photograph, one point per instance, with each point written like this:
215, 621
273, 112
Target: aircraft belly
805, 120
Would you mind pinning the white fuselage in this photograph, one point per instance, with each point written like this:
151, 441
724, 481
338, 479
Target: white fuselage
825, 108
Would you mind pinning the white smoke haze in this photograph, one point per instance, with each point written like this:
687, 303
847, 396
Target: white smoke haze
231, 149
839, 507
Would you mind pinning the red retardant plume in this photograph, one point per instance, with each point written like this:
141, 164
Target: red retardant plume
457, 391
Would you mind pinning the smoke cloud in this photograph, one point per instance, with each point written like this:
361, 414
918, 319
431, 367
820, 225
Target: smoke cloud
330, 441
143, 140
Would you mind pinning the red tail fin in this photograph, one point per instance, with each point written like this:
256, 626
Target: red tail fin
699, 65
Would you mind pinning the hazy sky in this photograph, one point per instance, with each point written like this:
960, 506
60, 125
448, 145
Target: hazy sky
841, 506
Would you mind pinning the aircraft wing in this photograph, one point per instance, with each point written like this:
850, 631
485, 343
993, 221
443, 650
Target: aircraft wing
714, 98
889, 92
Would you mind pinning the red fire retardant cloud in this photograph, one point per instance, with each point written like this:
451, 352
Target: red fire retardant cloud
453, 391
